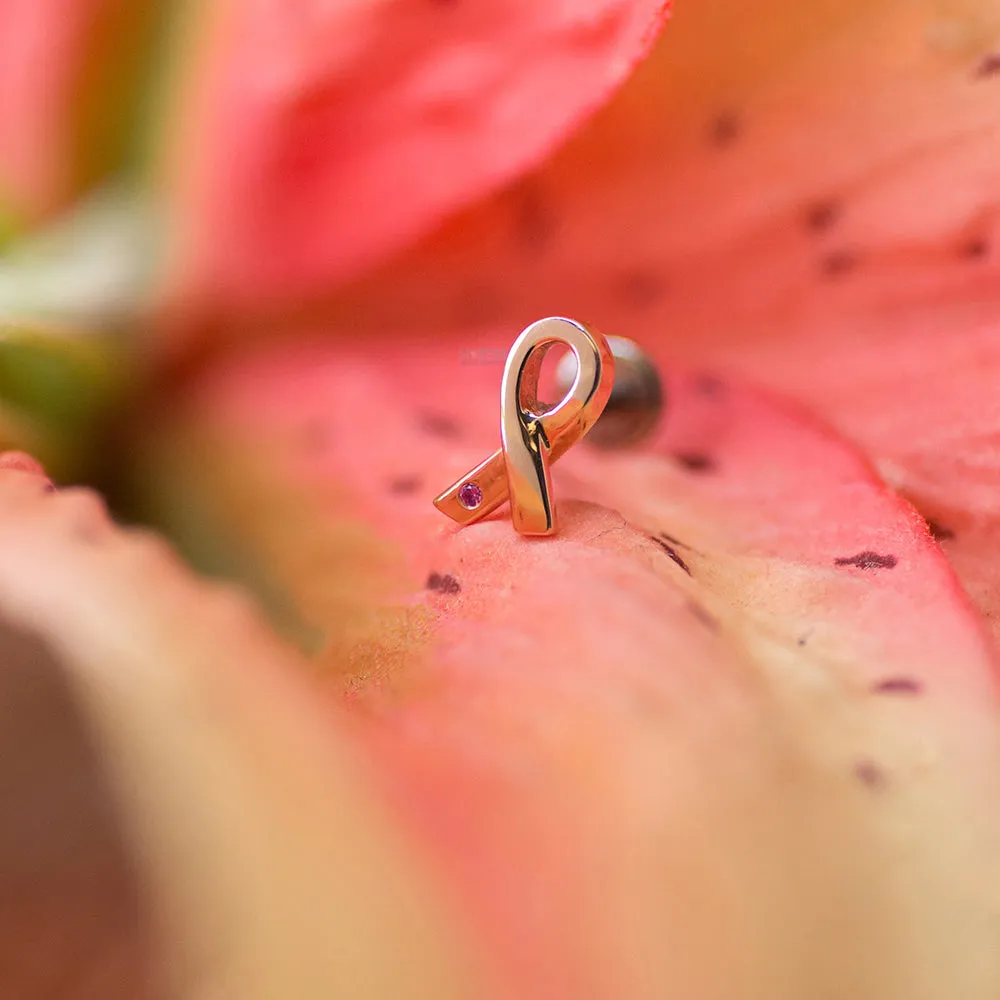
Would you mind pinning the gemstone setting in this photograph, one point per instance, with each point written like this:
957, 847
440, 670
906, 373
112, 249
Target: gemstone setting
470, 496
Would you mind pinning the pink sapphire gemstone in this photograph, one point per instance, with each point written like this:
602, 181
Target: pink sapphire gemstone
470, 496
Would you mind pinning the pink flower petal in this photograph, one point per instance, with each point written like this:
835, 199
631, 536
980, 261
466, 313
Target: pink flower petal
771, 170
809, 197
314, 138
737, 701
922, 400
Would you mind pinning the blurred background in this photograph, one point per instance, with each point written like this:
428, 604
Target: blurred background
181, 181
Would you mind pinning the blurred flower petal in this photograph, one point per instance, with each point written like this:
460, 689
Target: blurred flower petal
774, 170
741, 744
68, 75
273, 870
312, 139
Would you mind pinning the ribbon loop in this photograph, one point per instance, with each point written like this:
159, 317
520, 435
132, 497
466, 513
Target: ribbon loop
532, 440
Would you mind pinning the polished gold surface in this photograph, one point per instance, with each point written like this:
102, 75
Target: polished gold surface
531, 439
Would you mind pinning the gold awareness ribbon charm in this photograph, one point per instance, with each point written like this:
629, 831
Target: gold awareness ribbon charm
532, 440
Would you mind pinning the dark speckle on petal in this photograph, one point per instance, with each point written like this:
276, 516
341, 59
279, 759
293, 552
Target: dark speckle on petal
987, 67
709, 385
672, 552
822, 215
672, 540
443, 583
870, 774
725, 129
838, 263
405, 485
695, 461
438, 425
709, 621
977, 248
868, 560
640, 287
898, 685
